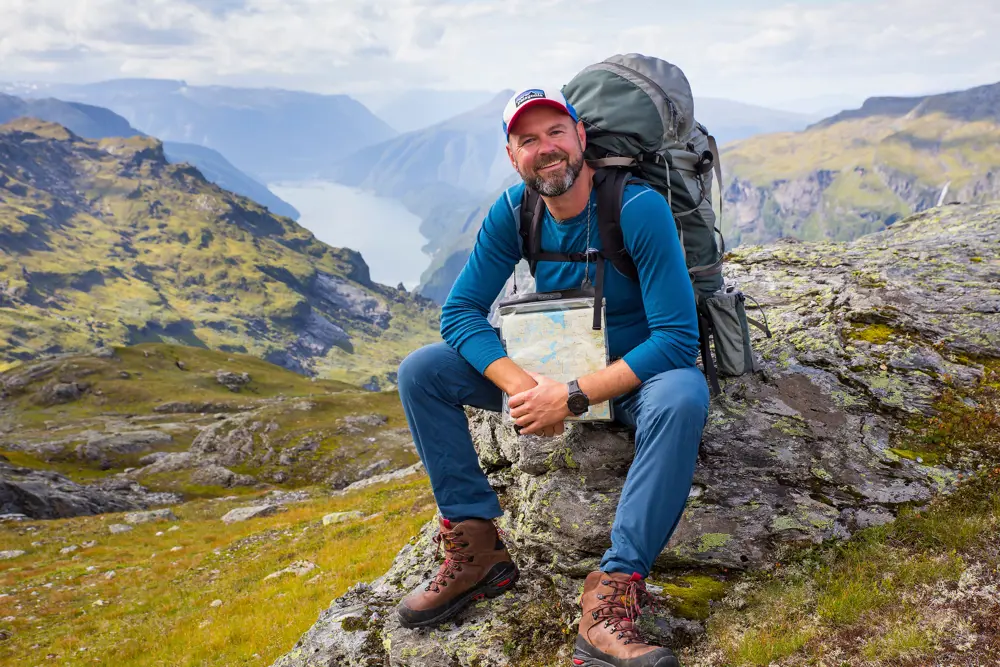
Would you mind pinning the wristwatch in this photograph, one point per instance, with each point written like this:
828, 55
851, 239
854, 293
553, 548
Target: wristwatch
578, 403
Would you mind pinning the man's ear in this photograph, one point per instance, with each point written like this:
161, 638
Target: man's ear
581, 132
510, 156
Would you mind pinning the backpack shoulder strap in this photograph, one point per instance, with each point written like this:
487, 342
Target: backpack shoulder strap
529, 227
610, 186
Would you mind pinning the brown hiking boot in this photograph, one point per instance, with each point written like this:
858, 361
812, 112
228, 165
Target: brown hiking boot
607, 635
476, 566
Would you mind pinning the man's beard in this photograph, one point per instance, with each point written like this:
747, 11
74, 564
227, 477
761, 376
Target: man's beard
558, 183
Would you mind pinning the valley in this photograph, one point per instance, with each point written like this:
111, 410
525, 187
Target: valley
385, 233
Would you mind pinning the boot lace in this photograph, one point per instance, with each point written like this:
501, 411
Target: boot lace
621, 609
454, 557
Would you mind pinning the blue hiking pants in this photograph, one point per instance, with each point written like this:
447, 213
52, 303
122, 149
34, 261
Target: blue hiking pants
668, 413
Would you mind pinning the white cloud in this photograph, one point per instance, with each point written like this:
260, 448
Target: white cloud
776, 51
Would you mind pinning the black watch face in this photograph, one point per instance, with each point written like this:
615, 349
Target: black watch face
578, 404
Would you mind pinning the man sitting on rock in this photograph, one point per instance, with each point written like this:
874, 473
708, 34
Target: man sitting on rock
656, 387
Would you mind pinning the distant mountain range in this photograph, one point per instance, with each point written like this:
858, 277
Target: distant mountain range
860, 170
105, 242
409, 110
268, 133
728, 120
93, 122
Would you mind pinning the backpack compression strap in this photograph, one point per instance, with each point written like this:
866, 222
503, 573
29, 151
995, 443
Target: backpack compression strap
530, 226
610, 186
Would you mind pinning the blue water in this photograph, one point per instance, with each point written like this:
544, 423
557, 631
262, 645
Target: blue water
387, 235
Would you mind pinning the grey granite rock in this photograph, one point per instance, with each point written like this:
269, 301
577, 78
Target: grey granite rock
250, 512
48, 495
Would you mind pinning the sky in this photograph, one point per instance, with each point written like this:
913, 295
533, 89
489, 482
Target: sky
811, 53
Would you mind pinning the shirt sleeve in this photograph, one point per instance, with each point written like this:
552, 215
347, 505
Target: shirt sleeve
650, 236
464, 317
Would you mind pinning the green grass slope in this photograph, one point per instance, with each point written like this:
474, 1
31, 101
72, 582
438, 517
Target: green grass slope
195, 591
106, 243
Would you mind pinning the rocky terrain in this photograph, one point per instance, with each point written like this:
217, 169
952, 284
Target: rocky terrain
862, 170
864, 457
137, 427
107, 243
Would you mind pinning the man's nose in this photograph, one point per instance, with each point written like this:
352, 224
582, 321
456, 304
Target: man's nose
546, 144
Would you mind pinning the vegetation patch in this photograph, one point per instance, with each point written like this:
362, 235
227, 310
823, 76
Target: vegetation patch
691, 595
198, 593
877, 334
907, 592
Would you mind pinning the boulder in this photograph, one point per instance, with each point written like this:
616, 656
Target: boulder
152, 515
42, 494
166, 462
55, 393
342, 517
871, 338
214, 475
100, 447
352, 424
232, 381
225, 443
417, 467
298, 568
250, 512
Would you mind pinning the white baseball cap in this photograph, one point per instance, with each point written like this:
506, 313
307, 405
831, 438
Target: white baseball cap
535, 97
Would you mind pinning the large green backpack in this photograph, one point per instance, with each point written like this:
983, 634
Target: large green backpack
638, 112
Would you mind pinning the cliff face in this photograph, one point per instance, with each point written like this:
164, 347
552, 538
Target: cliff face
876, 396
105, 242
862, 170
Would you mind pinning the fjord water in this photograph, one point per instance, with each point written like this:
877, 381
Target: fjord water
385, 233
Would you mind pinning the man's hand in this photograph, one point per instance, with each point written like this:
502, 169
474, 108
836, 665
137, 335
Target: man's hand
542, 409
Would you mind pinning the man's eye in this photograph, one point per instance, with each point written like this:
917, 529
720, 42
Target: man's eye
525, 142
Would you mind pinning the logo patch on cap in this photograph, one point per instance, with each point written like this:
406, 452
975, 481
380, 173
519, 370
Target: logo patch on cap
533, 94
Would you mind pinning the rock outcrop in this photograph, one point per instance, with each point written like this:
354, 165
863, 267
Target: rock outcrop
48, 495
871, 339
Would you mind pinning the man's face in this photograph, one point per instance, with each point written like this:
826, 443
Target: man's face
546, 149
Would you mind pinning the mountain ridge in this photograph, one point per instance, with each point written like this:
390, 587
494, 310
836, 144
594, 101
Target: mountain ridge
977, 103
94, 122
859, 171
107, 242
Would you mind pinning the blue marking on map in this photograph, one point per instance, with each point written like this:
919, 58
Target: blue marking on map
557, 318
549, 357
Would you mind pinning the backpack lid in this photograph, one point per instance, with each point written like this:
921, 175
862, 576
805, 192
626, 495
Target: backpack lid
644, 101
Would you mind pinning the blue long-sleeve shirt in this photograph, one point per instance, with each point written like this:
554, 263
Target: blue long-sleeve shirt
652, 324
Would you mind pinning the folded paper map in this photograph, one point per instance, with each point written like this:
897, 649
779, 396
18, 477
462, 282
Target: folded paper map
557, 339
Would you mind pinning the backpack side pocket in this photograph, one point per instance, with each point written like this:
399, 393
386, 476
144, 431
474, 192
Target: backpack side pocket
730, 333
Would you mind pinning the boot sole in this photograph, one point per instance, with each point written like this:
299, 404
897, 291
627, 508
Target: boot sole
493, 585
594, 662
584, 657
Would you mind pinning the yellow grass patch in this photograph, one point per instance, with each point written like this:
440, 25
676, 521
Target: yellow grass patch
156, 609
